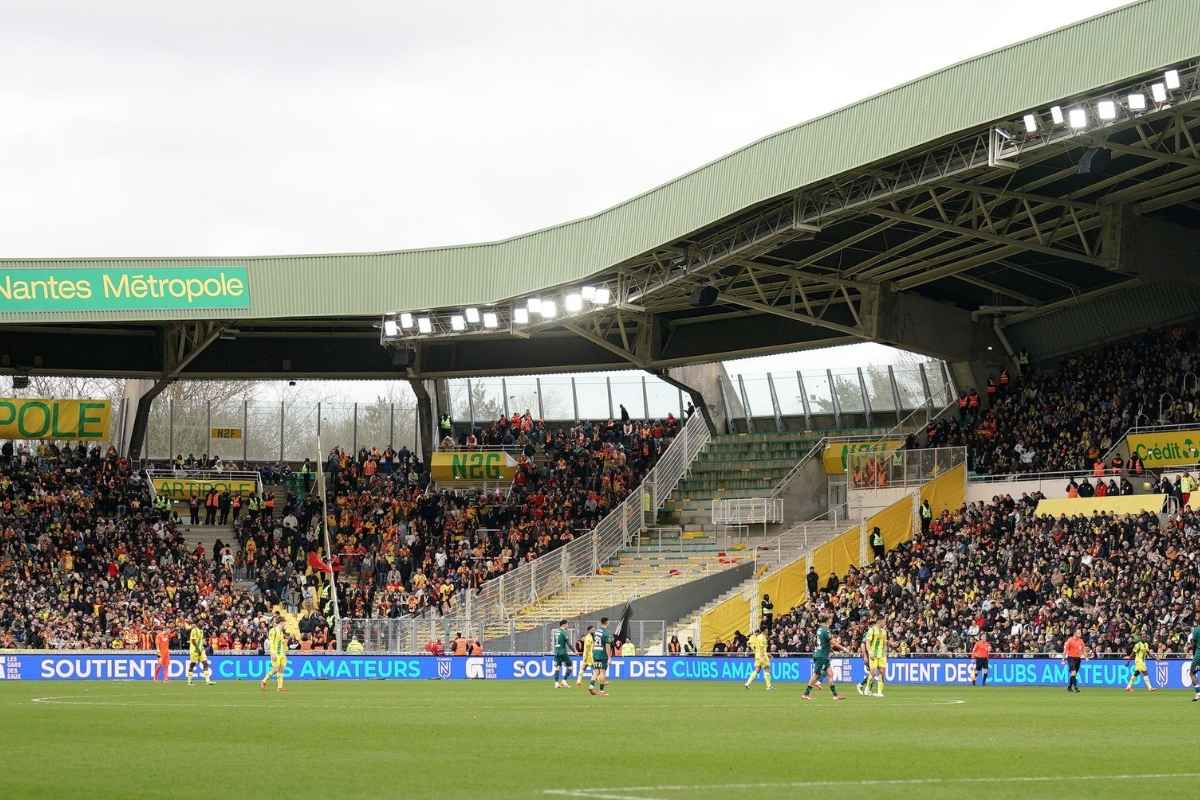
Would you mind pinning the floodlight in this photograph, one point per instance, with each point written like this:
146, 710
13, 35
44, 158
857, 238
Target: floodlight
1159, 92
1137, 102
520, 315
534, 305
458, 323
573, 302
1030, 123
602, 296
473, 316
390, 328
549, 309
406, 320
1171, 77
490, 320
1078, 118
588, 292
424, 324
1056, 114
1107, 109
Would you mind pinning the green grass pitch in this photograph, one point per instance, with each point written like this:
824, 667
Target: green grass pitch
646, 741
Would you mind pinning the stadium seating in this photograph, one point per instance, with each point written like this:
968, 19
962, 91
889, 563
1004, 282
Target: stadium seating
1063, 418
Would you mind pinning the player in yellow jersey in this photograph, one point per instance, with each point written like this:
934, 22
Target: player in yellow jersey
759, 644
1141, 651
588, 660
198, 655
874, 653
277, 640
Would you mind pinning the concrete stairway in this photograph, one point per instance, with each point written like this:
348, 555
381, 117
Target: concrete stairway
655, 561
206, 535
773, 553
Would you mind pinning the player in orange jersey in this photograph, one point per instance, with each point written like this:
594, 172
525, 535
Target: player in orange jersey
162, 643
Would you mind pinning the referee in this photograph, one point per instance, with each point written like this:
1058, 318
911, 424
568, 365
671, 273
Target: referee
1074, 653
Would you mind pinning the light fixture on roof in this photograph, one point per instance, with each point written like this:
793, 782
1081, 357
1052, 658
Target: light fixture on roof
602, 296
1137, 102
1107, 110
1171, 78
534, 305
1159, 92
1056, 114
457, 323
424, 325
406, 320
588, 292
520, 315
1078, 118
390, 328
1030, 123
549, 309
490, 320
573, 302
472, 315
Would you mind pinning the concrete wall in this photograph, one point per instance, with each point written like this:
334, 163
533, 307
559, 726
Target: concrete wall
707, 379
667, 605
807, 496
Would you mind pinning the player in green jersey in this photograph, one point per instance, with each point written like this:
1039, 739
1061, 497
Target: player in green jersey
602, 646
1141, 651
562, 656
820, 659
1194, 641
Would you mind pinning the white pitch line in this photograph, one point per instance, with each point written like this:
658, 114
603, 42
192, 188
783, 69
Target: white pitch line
883, 782
590, 795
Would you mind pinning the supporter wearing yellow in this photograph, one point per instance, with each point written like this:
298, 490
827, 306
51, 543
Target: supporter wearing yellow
277, 651
198, 655
1141, 651
759, 644
589, 662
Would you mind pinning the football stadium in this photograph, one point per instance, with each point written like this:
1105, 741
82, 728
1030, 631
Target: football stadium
585, 551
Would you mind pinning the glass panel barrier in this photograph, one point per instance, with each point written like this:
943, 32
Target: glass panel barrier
879, 388
663, 397
820, 398
787, 390
557, 402
849, 393
592, 391
627, 391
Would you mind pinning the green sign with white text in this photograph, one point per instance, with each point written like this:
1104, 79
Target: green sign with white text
123, 288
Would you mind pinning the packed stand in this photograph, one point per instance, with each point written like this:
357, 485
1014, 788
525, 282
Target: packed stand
1025, 581
404, 548
1067, 418
87, 562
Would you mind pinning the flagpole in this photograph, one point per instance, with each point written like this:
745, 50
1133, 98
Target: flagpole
337, 616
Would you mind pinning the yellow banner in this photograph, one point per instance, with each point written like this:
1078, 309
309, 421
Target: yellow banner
183, 488
895, 523
226, 433
723, 621
786, 586
836, 556
472, 466
1124, 504
948, 491
837, 455
1166, 448
43, 418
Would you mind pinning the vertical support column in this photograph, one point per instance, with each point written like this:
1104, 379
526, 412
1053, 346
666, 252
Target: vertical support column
392, 425
862, 387
804, 401
574, 400
608, 388
680, 391
245, 431
645, 399
951, 389
745, 404
282, 406
541, 406
170, 430
775, 404
471, 403
318, 419
504, 391
208, 427
354, 434
425, 418
925, 386
895, 392
833, 396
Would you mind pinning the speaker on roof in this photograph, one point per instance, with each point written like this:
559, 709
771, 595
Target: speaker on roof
704, 296
20, 381
1094, 161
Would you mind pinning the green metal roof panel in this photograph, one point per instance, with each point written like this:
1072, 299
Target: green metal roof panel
1112, 47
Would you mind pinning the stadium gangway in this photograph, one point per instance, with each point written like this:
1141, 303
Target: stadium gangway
500, 598
799, 540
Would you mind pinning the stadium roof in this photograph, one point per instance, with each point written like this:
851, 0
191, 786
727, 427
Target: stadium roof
910, 193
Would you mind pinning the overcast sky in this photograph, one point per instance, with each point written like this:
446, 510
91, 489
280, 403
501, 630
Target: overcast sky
137, 127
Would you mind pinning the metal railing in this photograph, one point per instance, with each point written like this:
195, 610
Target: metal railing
868, 470
747, 510
1136, 429
216, 477
500, 598
799, 539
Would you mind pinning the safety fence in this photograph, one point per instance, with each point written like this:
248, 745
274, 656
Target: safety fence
747, 510
868, 470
